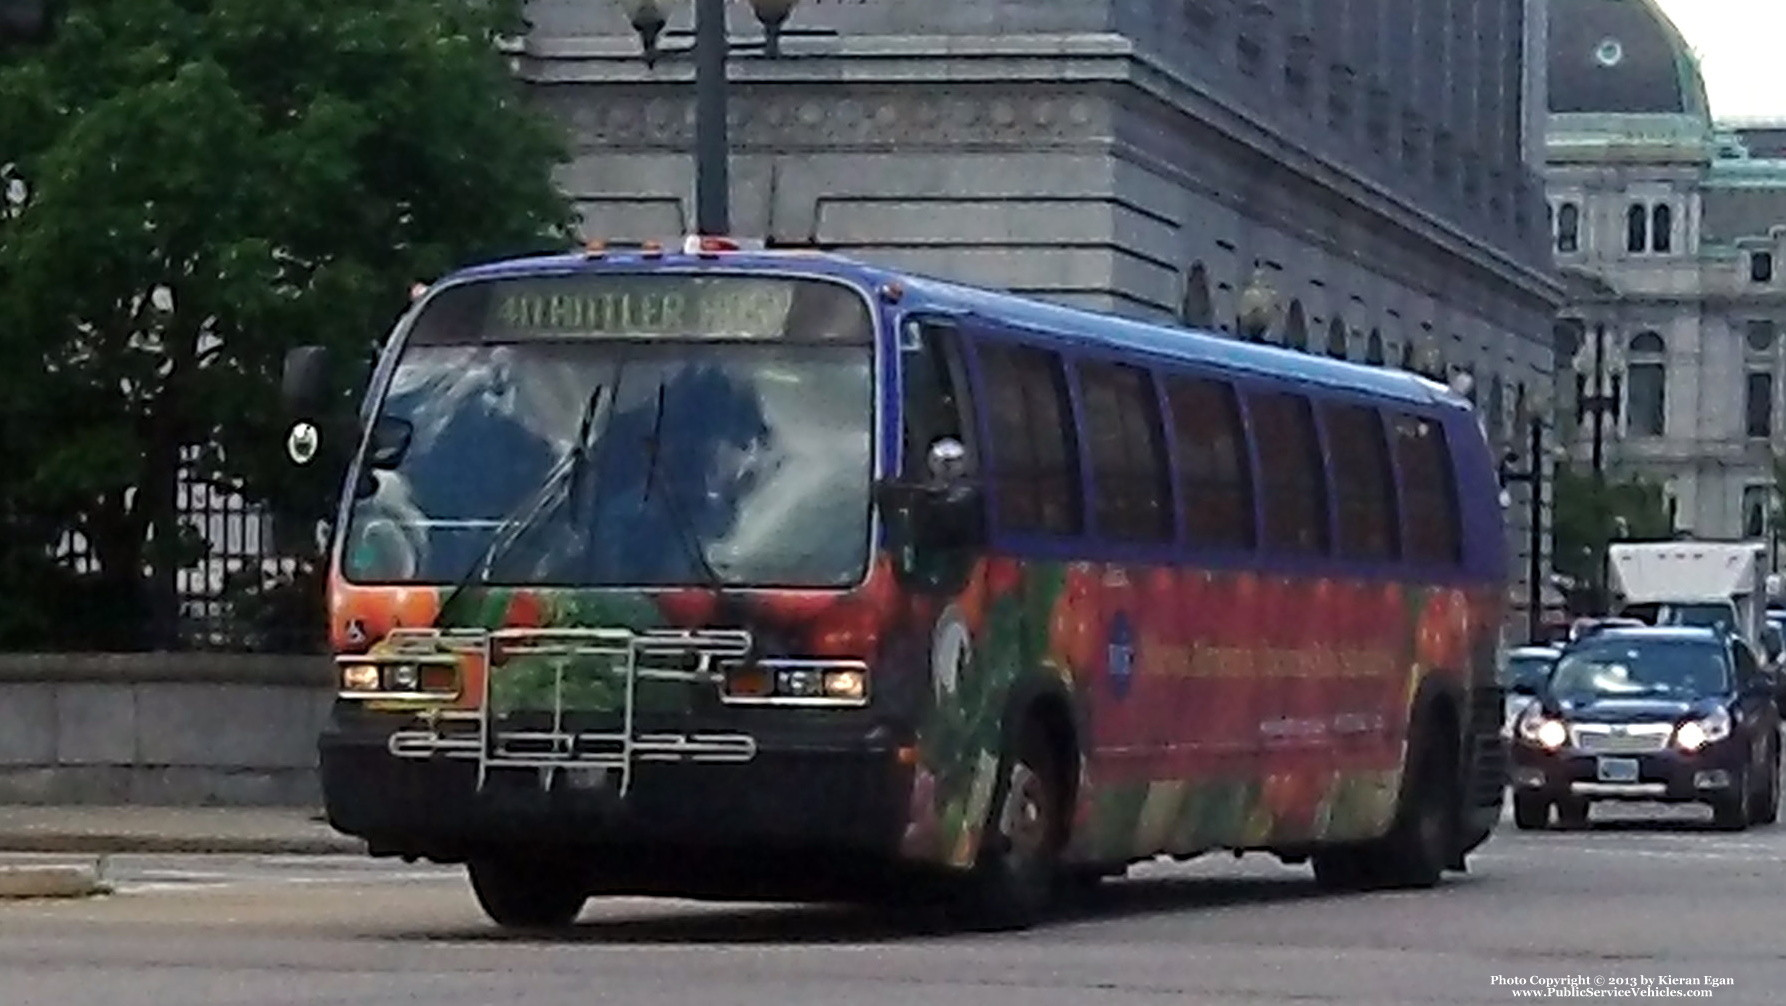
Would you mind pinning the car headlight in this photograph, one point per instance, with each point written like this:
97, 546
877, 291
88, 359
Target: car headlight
1547, 732
1695, 734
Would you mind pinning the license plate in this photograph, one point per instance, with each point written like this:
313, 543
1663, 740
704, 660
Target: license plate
1618, 769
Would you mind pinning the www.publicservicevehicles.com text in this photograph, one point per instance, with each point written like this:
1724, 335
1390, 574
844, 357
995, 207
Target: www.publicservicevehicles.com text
1612, 986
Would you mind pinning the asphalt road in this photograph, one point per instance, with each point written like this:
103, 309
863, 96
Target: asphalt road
1622, 903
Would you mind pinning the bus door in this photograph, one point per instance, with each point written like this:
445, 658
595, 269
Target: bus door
938, 532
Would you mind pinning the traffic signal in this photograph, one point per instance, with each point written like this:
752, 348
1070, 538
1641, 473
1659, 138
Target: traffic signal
24, 20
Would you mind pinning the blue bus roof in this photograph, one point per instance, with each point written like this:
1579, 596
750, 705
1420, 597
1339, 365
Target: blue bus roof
1059, 321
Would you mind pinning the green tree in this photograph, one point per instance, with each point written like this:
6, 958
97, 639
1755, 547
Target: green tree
1584, 519
191, 188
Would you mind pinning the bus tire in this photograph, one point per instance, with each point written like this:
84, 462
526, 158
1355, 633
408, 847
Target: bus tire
1420, 843
521, 893
1344, 869
1019, 871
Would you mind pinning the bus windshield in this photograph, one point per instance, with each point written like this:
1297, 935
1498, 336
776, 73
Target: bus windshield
728, 425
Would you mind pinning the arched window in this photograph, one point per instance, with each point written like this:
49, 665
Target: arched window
1336, 339
1662, 228
1296, 328
1569, 228
1407, 362
1373, 349
1637, 228
1196, 310
1646, 385
1497, 409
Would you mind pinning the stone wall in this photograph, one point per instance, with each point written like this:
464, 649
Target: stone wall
168, 729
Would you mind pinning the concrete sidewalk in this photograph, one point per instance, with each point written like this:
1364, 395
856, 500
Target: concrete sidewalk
171, 830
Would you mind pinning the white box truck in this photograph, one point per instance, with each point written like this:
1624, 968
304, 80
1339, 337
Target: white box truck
1693, 583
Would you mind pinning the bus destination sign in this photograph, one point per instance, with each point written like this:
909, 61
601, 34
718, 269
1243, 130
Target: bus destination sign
681, 307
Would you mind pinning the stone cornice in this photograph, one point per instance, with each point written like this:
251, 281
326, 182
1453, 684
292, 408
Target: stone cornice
943, 63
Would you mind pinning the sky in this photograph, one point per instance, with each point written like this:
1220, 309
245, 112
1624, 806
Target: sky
1738, 42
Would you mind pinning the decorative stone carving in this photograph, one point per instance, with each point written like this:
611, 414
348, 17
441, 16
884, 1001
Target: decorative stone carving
606, 118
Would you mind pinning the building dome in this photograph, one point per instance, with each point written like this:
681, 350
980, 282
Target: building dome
1621, 57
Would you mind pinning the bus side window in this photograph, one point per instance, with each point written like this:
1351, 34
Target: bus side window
1215, 474
1293, 479
1033, 450
1131, 488
1363, 482
1432, 528
931, 402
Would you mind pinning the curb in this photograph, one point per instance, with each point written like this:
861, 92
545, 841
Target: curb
20, 882
102, 843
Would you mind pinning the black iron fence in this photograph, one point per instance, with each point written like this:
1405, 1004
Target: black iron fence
255, 587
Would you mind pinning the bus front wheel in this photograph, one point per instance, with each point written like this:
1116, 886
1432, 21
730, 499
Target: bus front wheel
522, 893
1018, 872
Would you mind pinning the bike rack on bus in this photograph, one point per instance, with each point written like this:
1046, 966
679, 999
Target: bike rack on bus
477, 733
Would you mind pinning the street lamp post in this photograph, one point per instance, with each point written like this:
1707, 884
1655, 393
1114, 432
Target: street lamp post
712, 51
1600, 403
1533, 477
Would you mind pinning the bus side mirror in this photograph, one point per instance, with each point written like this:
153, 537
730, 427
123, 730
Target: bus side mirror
946, 510
304, 384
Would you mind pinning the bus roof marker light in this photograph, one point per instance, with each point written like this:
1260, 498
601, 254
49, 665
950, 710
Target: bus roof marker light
595, 248
651, 249
892, 293
416, 291
708, 247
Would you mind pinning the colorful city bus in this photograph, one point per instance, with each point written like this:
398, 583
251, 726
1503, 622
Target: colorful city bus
770, 575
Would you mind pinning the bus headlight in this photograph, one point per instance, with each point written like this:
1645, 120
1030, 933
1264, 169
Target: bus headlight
796, 682
426, 680
848, 684
360, 678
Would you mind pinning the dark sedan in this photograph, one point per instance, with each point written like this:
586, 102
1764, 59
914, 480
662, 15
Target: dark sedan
1677, 715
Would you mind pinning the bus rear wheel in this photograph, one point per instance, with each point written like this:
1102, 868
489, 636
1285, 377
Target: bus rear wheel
1420, 842
521, 893
1018, 874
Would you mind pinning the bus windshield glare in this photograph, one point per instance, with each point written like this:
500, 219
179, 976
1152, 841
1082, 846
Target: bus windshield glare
728, 435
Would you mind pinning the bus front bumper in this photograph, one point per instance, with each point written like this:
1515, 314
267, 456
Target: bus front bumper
832, 788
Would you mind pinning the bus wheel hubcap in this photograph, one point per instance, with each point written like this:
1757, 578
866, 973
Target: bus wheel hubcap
1025, 824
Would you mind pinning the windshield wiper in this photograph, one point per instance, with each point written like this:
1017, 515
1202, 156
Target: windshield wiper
685, 530
569, 471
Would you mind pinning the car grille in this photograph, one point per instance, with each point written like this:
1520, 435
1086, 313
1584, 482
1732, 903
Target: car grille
1642, 738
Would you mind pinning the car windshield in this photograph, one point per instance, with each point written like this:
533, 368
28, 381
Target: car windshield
728, 422
1526, 671
1667, 669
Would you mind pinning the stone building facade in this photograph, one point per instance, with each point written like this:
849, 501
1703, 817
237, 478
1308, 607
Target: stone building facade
1366, 172
1671, 232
